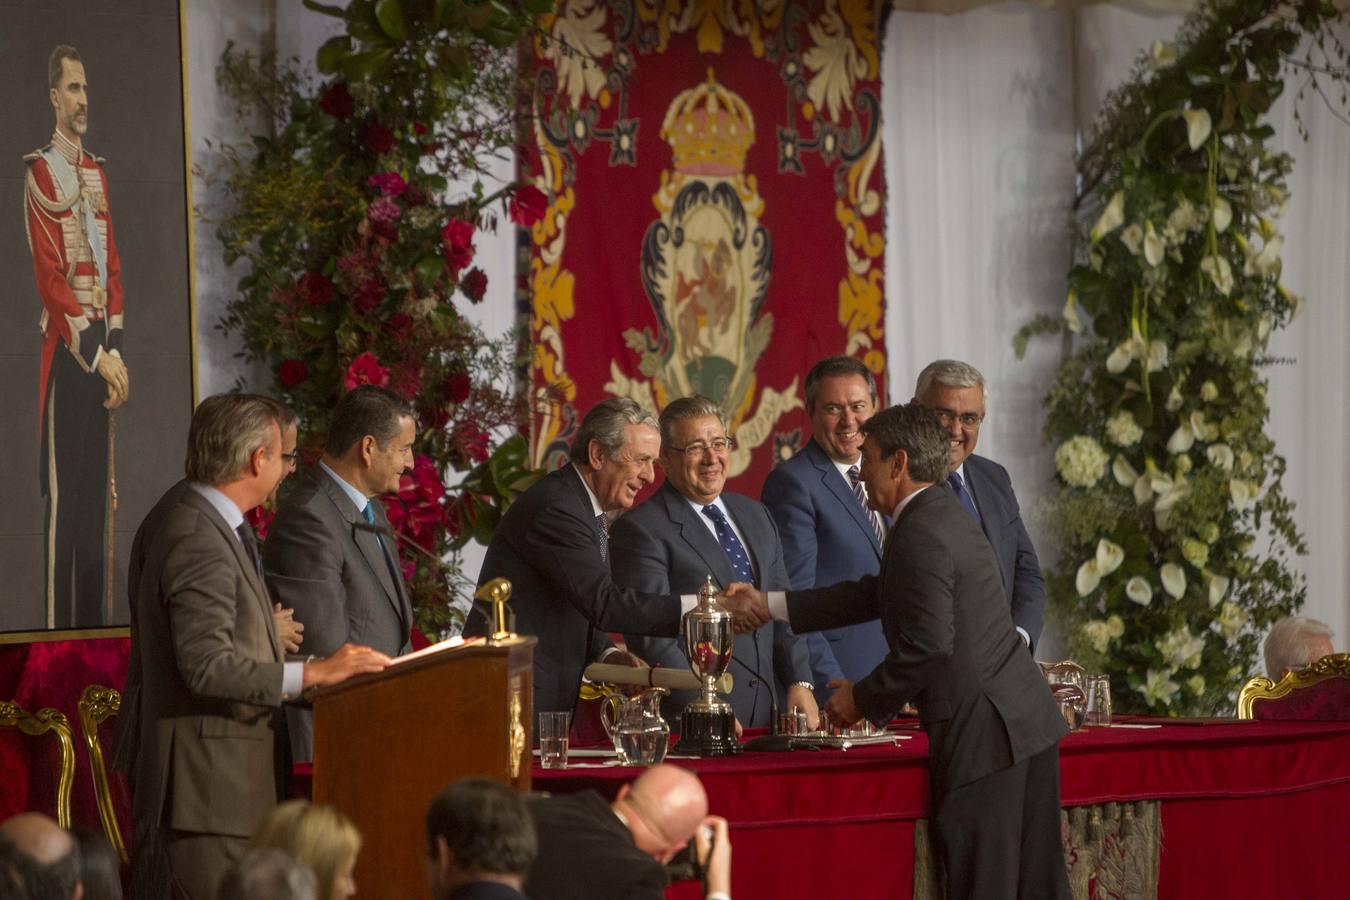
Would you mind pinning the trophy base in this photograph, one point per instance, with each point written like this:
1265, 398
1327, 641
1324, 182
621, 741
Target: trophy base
707, 733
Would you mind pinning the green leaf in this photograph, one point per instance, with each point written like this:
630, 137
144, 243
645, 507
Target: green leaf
390, 15
538, 7
367, 65
333, 52
326, 9
429, 268
456, 60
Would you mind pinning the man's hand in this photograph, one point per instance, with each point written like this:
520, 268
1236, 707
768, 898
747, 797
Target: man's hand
841, 709
749, 607
712, 848
616, 656
349, 660
114, 372
805, 700
288, 629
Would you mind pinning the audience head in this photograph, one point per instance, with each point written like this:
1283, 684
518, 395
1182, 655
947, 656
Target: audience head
615, 450
662, 808
100, 866
268, 874
46, 858
235, 440
841, 394
956, 392
478, 829
904, 449
1295, 642
695, 447
371, 435
318, 836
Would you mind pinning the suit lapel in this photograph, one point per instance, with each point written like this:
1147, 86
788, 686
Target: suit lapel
367, 544
989, 521
696, 535
838, 487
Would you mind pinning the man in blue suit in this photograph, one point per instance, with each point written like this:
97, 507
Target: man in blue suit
955, 390
829, 534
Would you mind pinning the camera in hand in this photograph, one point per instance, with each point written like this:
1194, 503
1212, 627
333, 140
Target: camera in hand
685, 866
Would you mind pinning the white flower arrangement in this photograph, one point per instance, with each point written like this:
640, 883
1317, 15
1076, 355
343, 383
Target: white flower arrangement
1081, 461
1122, 430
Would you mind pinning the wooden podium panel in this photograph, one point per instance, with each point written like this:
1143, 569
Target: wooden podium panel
385, 744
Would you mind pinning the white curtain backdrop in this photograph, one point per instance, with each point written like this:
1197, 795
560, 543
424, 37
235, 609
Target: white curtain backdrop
982, 110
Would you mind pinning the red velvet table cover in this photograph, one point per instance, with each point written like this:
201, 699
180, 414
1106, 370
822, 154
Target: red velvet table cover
1250, 809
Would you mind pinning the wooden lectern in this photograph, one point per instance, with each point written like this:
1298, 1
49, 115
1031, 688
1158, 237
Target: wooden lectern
385, 744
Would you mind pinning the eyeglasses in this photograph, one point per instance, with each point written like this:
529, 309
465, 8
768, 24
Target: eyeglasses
716, 445
967, 420
291, 458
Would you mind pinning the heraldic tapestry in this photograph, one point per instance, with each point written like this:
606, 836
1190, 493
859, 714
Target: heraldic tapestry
715, 220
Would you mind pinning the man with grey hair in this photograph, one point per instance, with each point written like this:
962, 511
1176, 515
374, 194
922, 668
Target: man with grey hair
956, 392
213, 670
1296, 642
692, 528
268, 874
993, 729
553, 546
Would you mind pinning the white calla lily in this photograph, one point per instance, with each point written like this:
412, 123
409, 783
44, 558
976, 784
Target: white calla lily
1267, 262
1174, 399
1120, 358
1112, 217
1087, 578
1162, 54
1071, 313
1109, 557
1157, 356
1209, 392
1153, 245
1219, 272
1139, 590
1242, 493
1123, 472
1133, 238
1143, 489
1218, 589
1182, 439
1173, 579
1220, 455
1198, 126
1223, 214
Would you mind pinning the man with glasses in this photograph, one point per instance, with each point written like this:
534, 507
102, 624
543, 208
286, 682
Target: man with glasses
956, 392
691, 528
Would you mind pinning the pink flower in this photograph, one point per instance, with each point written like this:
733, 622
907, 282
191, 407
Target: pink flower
384, 211
366, 369
292, 372
527, 206
390, 184
457, 242
474, 285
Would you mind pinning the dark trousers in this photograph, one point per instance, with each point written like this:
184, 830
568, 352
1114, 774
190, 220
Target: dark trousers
74, 475
999, 836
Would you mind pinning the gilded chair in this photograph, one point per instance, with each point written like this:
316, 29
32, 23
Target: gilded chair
97, 705
48, 719
1320, 691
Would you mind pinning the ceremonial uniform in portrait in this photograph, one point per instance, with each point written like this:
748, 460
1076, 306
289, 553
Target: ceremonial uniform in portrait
326, 560
79, 280
667, 545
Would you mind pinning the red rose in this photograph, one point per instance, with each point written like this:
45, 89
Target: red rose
337, 100
527, 206
406, 381
457, 242
474, 285
314, 289
260, 517
399, 324
377, 138
475, 443
368, 296
458, 387
366, 369
292, 372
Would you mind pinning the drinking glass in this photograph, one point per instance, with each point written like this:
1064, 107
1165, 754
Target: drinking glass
1098, 701
553, 729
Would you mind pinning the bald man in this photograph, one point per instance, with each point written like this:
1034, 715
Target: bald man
46, 861
589, 848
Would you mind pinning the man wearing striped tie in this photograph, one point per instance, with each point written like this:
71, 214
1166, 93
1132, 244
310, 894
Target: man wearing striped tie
956, 391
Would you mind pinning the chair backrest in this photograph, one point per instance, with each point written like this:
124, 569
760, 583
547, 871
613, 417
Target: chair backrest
1321, 691
54, 721
97, 705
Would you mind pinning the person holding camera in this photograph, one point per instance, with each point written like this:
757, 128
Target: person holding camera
631, 848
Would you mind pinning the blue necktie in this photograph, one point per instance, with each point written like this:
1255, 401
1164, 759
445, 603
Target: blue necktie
368, 513
963, 495
731, 545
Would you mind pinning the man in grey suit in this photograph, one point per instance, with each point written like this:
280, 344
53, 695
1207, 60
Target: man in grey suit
212, 662
993, 729
690, 529
956, 392
324, 556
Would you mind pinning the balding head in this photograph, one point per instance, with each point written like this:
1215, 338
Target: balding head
55, 872
663, 808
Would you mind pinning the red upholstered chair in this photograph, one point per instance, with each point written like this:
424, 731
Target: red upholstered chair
36, 725
1319, 692
97, 705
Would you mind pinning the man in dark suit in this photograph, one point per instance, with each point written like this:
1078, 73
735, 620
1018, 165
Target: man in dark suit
691, 529
593, 850
993, 729
212, 663
323, 556
480, 842
553, 546
829, 532
956, 391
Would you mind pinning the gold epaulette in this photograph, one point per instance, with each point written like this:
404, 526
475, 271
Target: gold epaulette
33, 157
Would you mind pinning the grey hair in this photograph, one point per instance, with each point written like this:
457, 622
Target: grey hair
837, 367
695, 407
605, 423
913, 428
1287, 644
226, 429
951, 373
268, 874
